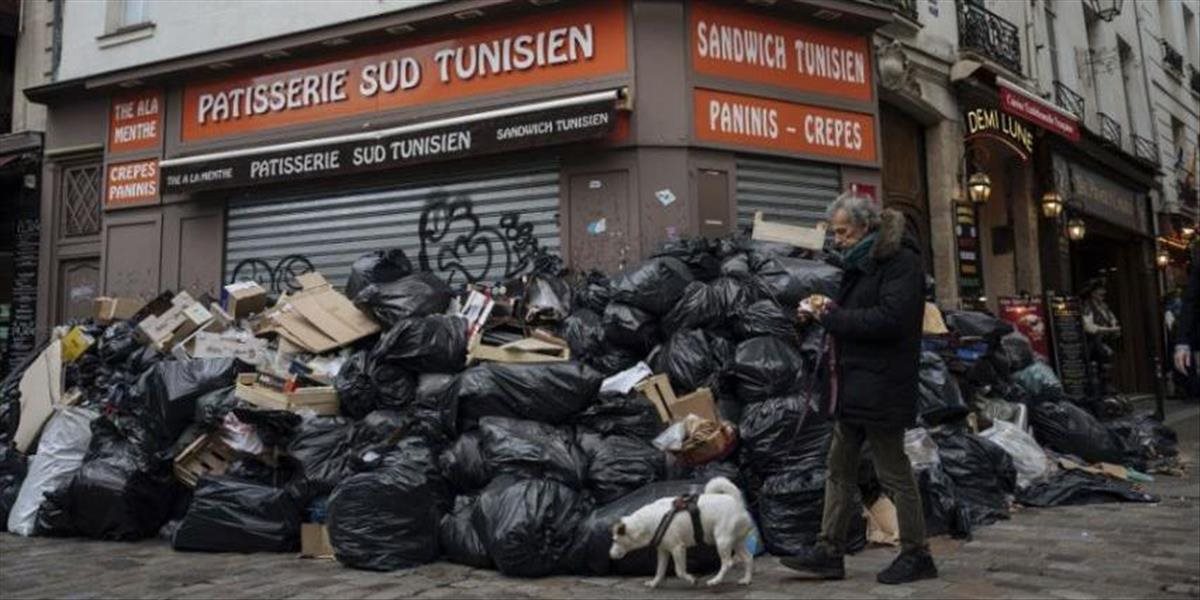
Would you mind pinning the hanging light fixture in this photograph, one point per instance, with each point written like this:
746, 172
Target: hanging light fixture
979, 186
1052, 204
1076, 229
1106, 9
1163, 259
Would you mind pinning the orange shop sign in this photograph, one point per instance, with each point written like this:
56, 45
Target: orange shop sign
131, 183
579, 43
776, 126
734, 43
135, 121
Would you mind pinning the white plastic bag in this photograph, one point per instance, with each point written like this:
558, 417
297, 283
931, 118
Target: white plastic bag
240, 436
922, 451
60, 454
1028, 457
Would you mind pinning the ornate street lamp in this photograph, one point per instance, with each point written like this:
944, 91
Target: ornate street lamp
979, 187
1052, 204
1106, 9
1076, 229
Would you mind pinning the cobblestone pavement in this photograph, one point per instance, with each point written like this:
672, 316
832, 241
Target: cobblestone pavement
1106, 551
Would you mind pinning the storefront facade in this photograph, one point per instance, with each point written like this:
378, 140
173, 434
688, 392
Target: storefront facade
592, 131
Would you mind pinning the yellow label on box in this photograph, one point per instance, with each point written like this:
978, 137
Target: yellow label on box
75, 343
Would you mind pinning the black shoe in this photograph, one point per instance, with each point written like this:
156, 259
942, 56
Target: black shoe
908, 567
817, 561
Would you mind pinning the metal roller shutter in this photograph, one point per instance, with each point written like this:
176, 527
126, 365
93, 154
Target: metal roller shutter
788, 191
333, 229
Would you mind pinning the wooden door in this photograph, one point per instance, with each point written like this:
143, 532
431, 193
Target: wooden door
904, 175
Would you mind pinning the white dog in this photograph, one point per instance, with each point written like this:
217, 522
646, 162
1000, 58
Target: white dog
723, 519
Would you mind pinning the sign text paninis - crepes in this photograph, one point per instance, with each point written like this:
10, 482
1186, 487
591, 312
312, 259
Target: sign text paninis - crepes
584, 42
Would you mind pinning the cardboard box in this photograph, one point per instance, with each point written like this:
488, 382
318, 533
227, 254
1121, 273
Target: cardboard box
811, 238
318, 318
183, 318
75, 343
314, 541
108, 309
41, 389
540, 349
322, 399
243, 299
671, 409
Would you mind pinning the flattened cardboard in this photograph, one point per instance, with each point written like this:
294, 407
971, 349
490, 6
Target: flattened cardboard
934, 323
525, 350
314, 541
811, 238
671, 408
41, 389
319, 318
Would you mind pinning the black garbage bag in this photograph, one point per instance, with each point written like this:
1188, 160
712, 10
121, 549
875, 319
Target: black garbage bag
628, 415
764, 367
704, 473
1069, 488
416, 295
697, 253
531, 449
143, 358
117, 343
546, 299
1146, 441
968, 323
233, 515
1039, 383
763, 318
274, 427
173, 387
528, 525
788, 507
698, 307
736, 264
546, 392
584, 333
630, 328
463, 464
459, 541
732, 294
250, 468
690, 361
653, 286
618, 465
13, 466
395, 387
381, 266
124, 490
594, 292
433, 344
322, 448
435, 410
983, 473
588, 555
355, 390
1017, 350
615, 361
783, 434
939, 399
212, 407
1066, 428
388, 518
945, 512
791, 280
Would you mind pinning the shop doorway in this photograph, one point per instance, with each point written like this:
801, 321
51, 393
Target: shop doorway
1117, 257
904, 175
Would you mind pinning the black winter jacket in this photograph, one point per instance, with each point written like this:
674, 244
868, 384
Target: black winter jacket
876, 329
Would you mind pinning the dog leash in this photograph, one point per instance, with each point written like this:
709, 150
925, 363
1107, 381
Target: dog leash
689, 503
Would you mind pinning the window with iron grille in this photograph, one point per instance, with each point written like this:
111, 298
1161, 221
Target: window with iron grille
80, 200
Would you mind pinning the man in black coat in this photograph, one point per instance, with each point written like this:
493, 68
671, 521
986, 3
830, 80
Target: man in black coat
1187, 339
875, 326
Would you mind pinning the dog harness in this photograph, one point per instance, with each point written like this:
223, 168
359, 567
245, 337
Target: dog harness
687, 503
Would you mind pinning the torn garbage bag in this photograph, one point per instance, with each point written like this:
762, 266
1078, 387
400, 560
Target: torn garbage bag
232, 515
61, 449
1146, 441
531, 449
617, 465
588, 554
433, 344
528, 525
764, 367
1066, 428
457, 536
654, 286
388, 518
551, 393
417, 295
381, 266
1068, 488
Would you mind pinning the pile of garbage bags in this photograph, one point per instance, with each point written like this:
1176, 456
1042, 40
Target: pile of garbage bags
525, 466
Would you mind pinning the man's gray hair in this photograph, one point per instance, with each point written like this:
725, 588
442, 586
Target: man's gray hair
861, 210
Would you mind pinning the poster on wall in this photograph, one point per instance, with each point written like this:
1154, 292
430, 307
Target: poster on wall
970, 272
1069, 344
1028, 315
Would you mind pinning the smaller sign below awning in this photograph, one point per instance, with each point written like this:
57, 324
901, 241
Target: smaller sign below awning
1016, 101
560, 121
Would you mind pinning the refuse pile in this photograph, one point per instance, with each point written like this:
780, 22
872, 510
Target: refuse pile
505, 425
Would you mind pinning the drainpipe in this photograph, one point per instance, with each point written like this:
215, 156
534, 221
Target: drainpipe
56, 40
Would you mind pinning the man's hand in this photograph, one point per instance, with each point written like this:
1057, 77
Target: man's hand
1183, 358
813, 307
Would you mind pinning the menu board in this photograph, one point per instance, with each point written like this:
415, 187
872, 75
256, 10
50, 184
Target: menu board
1028, 315
23, 329
970, 272
1069, 344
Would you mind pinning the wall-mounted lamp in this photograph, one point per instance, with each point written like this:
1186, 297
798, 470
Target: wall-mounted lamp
979, 187
1052, 204
1076, 230
1163, 259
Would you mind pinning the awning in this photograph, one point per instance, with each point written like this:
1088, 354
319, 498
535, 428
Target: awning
543, 123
